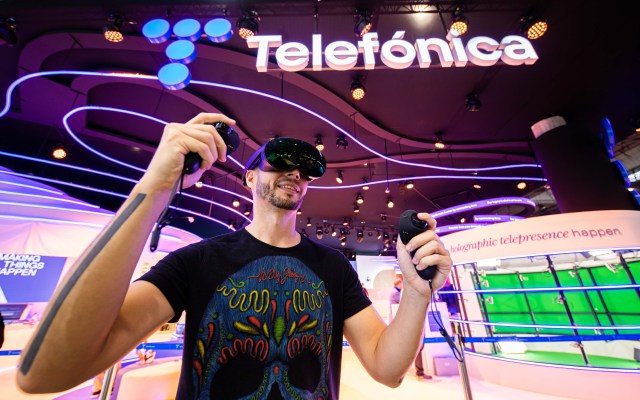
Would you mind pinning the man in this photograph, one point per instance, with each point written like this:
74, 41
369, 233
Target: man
394, 298
266, 308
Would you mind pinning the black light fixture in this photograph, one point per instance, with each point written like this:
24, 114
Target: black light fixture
341, 142
472, 102
390, 202
299, 212
356, 208
308, 221
439, 144
459, 22
59, 152
113, 30
522, 185
235, 202
199, 184
333, 232
409, 184
359, 236
339, 177
319, 232
359, 198
248, 24
304, 233
319, 145
385, 237
232, 224
366, 184
383, 217
357, 89
247, 209
346, 221
533, 26
8, 32
363, 22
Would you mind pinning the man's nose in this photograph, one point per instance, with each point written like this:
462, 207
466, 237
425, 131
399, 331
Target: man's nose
294, 173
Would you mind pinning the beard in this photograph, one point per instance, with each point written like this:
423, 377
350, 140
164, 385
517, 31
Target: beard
264, 191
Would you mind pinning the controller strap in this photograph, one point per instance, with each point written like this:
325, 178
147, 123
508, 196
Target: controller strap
167, 214
436, 316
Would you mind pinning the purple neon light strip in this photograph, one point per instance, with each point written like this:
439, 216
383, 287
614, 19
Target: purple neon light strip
458, 227
555, 289
499, 201
112, 194
118, 177
380, 182
41, 196
620, 327
561, 366
495, 218
23, 185
262, 94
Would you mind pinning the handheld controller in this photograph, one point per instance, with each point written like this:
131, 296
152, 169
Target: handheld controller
192, 160
410, 226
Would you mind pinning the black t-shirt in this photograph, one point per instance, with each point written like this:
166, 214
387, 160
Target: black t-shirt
262, 322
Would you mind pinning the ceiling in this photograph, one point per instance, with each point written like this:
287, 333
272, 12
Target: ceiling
587, 70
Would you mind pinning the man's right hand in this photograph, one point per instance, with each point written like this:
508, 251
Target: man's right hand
197, 135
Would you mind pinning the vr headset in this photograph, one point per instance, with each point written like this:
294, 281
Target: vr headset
286, 154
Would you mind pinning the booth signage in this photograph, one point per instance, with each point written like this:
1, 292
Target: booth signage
395, 53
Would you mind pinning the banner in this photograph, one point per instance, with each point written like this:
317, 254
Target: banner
26, 278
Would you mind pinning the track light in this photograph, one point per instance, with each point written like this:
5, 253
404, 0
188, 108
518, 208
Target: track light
439, 144
113, 30
521, 185
59, 152
333, 232
235, 202
383, 217
359, 198
343, 242
248, 24
232, 224
299, 212
357, 90
319, 144
308, 221
409, 184
387, 190
199, 184
472, 102
477, 186
385, 237
304, 233
319, 232
356, 208
339, 177
459, 22
345, 221
8, 32
341, 142
390, 202
247, 210
366, 184
379, 235
363, 22
359, 236
533, 26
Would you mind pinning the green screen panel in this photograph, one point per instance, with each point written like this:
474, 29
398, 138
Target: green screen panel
515, 318
634, 267
627, 320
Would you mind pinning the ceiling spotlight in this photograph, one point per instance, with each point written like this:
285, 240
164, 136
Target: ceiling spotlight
345, 221
533, 26
304, 233
439, 144
477, 186
463, 220
383, 217
190, 219
359, 198
232, 224
299, 212
333, 232
199, 184
459, 22
472, 102
319, 144
635, 121
385, 237
409, 185
387, 190
379, 235
341, 142
113, 30
363, 22
236, 202
343, 242
339, 177
366, 184
359, 236
8, 32
248, 24
319, 232
390, 202
356, 208
247, 210
357, 90
308, 221
59, 152
521, 185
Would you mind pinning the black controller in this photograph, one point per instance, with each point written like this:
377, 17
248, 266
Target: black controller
192, 160
410, 226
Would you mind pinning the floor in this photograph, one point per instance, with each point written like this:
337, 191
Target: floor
356, 385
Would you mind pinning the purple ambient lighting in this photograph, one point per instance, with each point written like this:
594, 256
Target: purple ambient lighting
499, 201
457, 227
41, 196
491, 218
272, 97
31, 187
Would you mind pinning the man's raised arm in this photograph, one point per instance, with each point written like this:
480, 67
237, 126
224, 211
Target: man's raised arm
95, 317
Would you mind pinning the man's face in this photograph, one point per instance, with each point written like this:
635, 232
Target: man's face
282, 189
